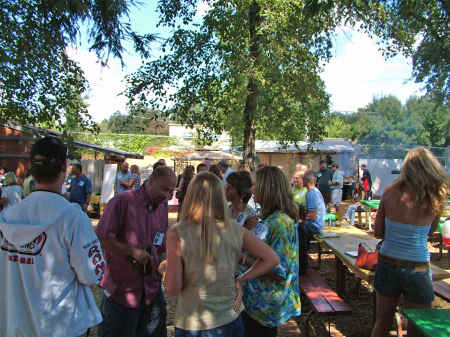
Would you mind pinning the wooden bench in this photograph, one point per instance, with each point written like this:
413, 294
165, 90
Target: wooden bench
442, 289
323, 299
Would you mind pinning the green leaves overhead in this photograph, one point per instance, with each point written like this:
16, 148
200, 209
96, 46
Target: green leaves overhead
39, 83
385, 121
250, 66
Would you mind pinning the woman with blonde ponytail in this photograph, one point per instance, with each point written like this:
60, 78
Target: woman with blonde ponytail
202, 252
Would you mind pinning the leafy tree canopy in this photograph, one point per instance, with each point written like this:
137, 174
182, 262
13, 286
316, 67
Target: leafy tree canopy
252, 66
141, 123
39, 83
421, 121
418, 28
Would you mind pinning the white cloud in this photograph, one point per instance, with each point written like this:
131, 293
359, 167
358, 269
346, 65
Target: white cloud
358, 72
203, 8
106, 83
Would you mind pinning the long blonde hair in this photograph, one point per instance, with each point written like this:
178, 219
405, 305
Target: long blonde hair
274, 192
423, 172
205, 210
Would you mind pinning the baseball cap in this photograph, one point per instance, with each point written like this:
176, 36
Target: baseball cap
334, 164
53, 149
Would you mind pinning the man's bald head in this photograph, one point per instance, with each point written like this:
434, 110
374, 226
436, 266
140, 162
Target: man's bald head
160, 185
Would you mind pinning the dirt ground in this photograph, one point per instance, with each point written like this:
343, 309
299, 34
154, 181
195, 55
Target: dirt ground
359, 324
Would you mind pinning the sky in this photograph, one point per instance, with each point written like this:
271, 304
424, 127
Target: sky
356, 73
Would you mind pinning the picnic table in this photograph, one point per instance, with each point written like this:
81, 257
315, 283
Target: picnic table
349, 239
430, 322
369, 205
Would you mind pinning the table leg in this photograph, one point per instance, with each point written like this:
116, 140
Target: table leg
374, 303
370, 219
340, 277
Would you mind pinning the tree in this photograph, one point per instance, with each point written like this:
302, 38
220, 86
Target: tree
421, 121
251, 66
418, 28
435, 119
139, 123
39, 83
385, 121
338, 128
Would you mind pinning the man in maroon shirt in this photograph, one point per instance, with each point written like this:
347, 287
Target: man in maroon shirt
132, 233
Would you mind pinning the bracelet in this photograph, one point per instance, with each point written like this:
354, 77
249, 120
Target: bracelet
243, 260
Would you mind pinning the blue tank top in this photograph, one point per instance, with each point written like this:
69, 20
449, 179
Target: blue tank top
405, 242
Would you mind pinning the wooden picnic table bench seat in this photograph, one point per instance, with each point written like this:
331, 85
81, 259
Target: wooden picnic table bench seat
324, 300
442, 289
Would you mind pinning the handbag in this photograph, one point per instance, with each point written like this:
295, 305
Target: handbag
365, 259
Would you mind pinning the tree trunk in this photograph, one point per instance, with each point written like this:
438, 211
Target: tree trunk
252, 88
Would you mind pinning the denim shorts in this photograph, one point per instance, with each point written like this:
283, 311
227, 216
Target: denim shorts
232, 329
416, 286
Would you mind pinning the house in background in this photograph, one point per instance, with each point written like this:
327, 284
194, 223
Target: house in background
187, 135
17, 140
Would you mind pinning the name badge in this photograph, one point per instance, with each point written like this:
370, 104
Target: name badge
261, 231
157, 241
319, 175
80, 183
241, 219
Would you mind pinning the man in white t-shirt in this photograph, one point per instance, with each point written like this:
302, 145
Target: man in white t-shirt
49, 256
336, 185
225, 169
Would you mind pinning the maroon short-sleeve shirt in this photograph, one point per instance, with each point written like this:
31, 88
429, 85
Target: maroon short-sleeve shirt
129, 217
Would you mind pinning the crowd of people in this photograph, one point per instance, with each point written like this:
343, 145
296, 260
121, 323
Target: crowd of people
234, 256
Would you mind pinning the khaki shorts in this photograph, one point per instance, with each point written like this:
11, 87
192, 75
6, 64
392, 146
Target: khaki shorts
336, 196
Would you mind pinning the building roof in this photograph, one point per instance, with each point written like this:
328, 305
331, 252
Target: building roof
334, 145
38, 133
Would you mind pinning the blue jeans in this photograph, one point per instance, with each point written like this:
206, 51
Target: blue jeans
145, 321
416, 284
351, 214
233, 329
310, 228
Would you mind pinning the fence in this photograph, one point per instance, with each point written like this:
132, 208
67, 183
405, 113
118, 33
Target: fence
367, 151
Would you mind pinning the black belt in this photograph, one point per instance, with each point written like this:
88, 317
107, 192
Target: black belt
402, 263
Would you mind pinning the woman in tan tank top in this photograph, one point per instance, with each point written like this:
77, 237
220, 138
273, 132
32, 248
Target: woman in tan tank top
202, 252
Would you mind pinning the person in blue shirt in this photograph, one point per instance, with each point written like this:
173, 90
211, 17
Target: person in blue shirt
126, 175
315, 219
80, 187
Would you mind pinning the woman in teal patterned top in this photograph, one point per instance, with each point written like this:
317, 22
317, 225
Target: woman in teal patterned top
274, 297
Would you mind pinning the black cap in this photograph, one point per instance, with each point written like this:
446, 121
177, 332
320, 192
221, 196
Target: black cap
53, 149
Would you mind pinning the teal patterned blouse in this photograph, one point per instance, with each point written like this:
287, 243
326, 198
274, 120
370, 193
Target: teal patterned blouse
267, 301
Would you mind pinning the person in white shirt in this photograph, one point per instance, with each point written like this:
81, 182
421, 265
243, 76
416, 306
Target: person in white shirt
49, 256
336, 185
12, 193
225, 169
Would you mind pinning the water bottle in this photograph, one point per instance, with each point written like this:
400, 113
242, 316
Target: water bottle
329, 221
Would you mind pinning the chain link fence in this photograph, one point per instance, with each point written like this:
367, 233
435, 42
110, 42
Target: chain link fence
367, 151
